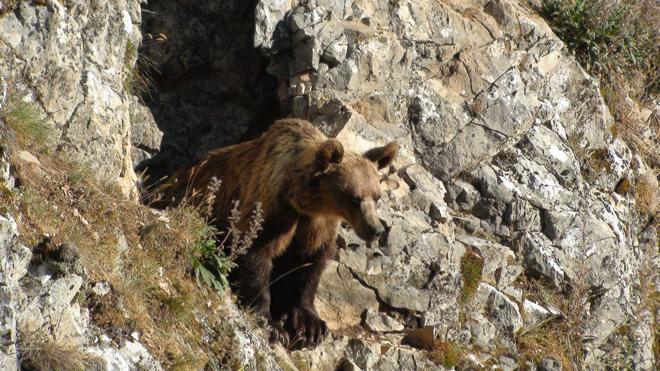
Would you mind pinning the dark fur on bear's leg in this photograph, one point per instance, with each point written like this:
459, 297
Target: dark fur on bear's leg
252, 276
296, 274
250, 280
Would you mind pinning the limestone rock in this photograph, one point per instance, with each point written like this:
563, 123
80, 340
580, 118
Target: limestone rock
539, 258
501, 133
70, 66
429, 188
14, 259
380, 322
494, 255
536, 315
341, 300
502, 312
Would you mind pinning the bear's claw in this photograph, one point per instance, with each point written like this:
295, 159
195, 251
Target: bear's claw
278, 334
306, 329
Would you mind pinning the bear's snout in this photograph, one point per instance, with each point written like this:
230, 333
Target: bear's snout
370, 232
375, 231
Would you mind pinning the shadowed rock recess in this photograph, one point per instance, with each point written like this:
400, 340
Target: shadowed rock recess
506, 155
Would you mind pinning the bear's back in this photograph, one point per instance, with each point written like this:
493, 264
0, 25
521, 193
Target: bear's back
254, 171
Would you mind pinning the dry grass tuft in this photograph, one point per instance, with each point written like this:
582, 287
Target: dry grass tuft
647, 194
635, 121
446, 353
139, 68
561, 338
556, 339
548, 341
39, 352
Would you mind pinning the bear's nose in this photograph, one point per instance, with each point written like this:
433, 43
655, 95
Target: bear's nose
377, 230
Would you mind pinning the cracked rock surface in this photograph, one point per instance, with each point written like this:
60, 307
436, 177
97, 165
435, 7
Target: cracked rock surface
499, 128
506, 154
70, 64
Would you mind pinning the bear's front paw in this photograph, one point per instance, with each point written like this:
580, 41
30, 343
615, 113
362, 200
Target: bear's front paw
278, 334
306, 329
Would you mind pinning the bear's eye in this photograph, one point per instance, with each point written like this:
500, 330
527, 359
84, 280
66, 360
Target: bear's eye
356, 200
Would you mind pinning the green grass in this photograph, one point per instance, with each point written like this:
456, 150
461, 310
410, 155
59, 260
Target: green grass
27, 122
210, 265
471, 269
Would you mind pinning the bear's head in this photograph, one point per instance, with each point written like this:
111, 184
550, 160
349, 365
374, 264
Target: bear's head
346, 185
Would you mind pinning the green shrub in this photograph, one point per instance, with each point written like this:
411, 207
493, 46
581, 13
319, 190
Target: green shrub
210, 265
610, 38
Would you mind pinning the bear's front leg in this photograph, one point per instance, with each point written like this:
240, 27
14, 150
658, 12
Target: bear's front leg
252, 280
296, 276
252, 276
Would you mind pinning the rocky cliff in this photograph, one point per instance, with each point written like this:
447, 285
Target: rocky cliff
514, 235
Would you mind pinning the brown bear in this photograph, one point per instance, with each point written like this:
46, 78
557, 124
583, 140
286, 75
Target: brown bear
307, 184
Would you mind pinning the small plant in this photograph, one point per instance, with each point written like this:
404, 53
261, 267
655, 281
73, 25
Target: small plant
471, 268
447, 353
138, 80
24, 118
210, 264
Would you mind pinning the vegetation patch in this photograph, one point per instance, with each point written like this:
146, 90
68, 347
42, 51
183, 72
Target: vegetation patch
26, 121
548, 341
210, 263
471, 268
447, 353
610, 38
617, 41
138, 69
39, 352
148, 258
560, 339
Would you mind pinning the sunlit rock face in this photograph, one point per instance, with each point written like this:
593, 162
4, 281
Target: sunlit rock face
506, 154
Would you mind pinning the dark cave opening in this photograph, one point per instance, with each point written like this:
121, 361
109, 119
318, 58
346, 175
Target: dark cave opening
208, 84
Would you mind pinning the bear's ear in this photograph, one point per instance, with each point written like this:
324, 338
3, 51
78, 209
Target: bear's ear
330, 151
384, 155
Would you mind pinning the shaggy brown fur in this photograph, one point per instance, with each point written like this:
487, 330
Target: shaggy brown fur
307, 184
